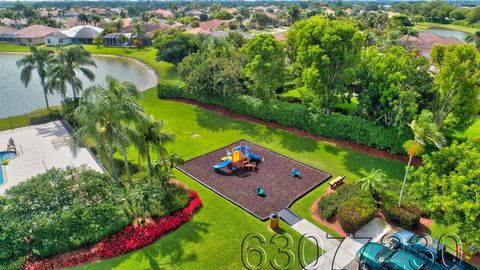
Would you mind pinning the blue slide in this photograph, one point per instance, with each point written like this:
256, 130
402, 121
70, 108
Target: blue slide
222, 164
255, 157
250, 155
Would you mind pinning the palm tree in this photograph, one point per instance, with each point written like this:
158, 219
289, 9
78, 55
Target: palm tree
36, 60
425, 130
64, 67
374, 180
152, 137
105, 117
83, 18
474, 38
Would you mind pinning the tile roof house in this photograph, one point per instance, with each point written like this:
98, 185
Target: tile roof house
7, 34
197, 31
426, 40
162, 12
212, 25
34, 34
194, 13
84, 34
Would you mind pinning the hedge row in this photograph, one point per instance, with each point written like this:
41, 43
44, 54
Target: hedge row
335, 126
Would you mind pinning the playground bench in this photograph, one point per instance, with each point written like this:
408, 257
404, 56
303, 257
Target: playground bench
336, 182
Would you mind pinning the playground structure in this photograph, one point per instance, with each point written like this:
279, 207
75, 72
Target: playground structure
239, 157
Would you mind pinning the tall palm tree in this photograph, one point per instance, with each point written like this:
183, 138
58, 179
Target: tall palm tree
36, 60
63, 70
105, 117
152, 137
425, 130
474, 38
374, 180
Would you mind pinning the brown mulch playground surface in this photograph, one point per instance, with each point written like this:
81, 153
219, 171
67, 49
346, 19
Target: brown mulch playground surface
273, 174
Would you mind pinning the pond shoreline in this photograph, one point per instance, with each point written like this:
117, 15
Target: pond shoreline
140, 63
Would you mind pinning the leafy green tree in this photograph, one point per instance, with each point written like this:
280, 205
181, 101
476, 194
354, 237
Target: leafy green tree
373, 181
151, 136
63, 68
223, 15
447, 187
260, 20
174, 47
245, 12
325, 53
458, 84
425, 131
473, 15
393, 86
265, 69
36, 60
213, 71
105, 117
236, 39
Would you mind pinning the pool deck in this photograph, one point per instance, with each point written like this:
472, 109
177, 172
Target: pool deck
40, 148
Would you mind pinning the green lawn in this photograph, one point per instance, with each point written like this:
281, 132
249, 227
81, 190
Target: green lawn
36, 116
426, 25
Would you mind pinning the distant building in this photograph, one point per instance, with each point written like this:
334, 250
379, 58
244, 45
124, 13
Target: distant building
194, 13
162, 12
84, 34
426, 40
117, 39
34, 34
7, 35
213, 25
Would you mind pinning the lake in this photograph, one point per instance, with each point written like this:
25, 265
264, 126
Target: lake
448, 33
15, 99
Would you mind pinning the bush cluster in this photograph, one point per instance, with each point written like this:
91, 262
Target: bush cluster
129, 239
336, 126
356, 212
406, 216
329, 204
63, 210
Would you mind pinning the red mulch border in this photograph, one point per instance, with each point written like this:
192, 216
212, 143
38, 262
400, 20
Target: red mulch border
417, 161
129, 239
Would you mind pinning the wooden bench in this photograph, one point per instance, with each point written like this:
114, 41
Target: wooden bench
336, 182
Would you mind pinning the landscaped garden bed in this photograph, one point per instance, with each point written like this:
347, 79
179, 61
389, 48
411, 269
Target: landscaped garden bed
273, 174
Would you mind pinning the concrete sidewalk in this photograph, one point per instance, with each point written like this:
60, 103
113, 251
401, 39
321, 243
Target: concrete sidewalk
339, 253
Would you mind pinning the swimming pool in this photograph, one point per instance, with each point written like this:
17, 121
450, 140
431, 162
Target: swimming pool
5, 155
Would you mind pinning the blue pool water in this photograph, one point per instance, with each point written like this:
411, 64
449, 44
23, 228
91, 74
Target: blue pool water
5, 155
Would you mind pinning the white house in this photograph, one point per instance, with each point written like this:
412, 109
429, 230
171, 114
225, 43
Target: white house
57, 39
83, 34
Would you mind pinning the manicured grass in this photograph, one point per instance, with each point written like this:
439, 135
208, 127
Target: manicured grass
292, 93
13, 48
147, 55
426, 25
40, 115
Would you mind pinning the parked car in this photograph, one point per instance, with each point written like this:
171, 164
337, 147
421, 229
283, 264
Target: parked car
428, 249
374, 256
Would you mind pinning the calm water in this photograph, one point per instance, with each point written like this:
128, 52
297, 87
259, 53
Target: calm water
15, 99
448, 33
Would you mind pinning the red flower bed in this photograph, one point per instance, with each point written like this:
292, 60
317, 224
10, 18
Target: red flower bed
129, 239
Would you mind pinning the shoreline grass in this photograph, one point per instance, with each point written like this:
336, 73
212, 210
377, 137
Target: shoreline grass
428, 25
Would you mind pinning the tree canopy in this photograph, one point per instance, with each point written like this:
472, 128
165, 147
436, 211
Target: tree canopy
325, 52
265, 68
173, 47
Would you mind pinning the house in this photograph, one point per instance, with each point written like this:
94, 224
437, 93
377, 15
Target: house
34, 34
219, 34
426, 40
17, 23
57, 39
117, 39
196, 31
7, 34
162, 12
84, 34
212, 25
194, 13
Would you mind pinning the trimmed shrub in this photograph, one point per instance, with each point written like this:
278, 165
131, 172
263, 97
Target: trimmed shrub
328, 205
355, 213
406, 216
335, 126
